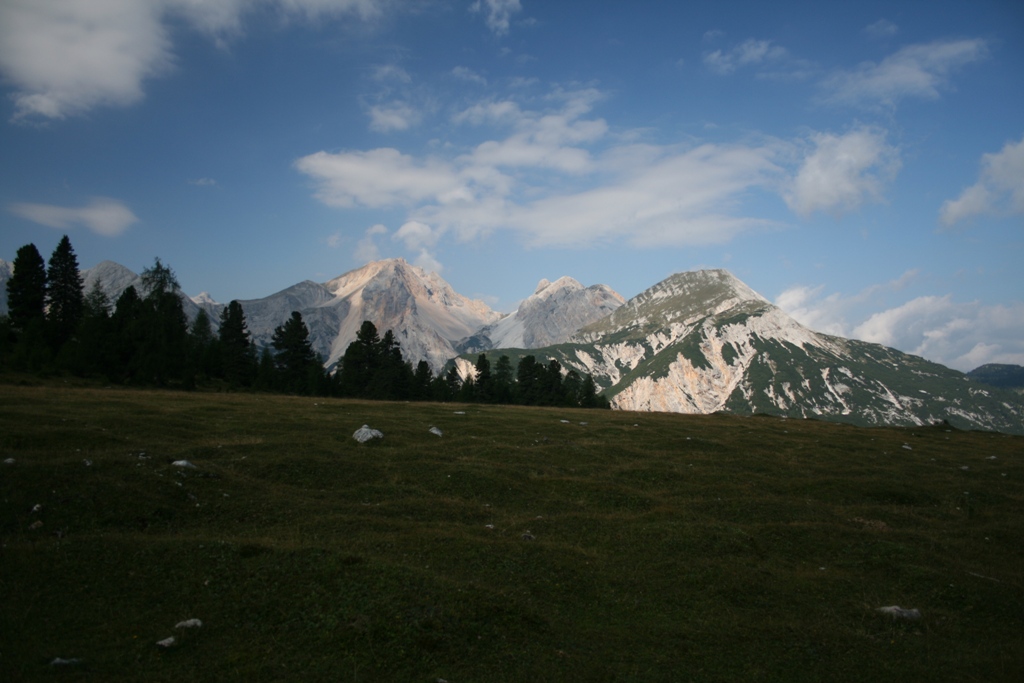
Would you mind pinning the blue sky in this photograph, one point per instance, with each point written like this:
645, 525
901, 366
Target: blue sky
859, 164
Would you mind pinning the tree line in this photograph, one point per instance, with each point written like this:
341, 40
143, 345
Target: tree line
145, 338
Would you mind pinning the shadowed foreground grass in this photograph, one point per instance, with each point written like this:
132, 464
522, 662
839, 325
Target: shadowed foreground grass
524, 544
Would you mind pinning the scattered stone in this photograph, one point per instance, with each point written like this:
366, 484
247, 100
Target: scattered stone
991, 457
189, 623
166, 642
965, 468
184, 463
460, 412
529, 537
365, 433
87, 462
565, 422
897, 612
584, 424
872, 524
9, 461
907, 447
435, 430
488, 526
36, 524
60, 661
37, 507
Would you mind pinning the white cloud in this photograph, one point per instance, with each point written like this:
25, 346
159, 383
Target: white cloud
393, 116
428, 262
999, 190
843, 172
466, 74
65, 58
366, 249
498, 13
922, 71
391, 72
202, 182
881, 29
379, 178
830, 314
748, 53
416, 235
107, 217
958, 335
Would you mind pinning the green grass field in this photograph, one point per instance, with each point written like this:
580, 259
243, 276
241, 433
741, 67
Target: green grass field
516, 547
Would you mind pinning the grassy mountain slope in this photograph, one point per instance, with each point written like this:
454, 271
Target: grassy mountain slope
614, 546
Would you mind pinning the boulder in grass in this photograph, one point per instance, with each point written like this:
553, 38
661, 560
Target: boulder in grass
365, 433
897, 612
436, 431
184, 463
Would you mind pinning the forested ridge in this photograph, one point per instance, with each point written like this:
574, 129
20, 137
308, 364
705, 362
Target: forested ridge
144, 338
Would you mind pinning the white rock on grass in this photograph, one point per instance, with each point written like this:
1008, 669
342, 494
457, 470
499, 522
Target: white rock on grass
365, 433
897, 612
60, 661
166, 642
189, 623
435, 430
9, 461
184, 463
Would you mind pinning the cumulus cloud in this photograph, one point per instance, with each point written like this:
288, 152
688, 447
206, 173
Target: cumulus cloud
378, 178
920, 71
881, 29
748, 53
843, 172
958, 335
466, 74
497, 13
107, 217
366, 249
65, 58
999, 190
393, 116
831, 313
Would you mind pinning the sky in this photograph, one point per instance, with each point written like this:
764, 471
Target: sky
861, 165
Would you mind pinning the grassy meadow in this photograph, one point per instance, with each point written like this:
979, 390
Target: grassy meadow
524, 544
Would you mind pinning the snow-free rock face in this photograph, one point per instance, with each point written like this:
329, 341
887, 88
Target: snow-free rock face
551, 315
425, 314
703, 342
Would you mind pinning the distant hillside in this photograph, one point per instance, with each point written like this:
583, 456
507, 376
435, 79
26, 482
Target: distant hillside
999, 375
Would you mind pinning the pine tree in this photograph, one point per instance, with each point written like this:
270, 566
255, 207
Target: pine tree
484, 381
26, 290
165, 340
65, 302
422, 379
294, 356
504, 379
237, 359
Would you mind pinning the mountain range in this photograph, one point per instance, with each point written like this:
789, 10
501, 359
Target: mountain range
697, 342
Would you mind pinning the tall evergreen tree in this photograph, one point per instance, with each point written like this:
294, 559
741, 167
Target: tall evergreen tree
26, 290
165, 347
65, 301
295, 359
361, 360
422, 379
484, 381
238, 360
504, 380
